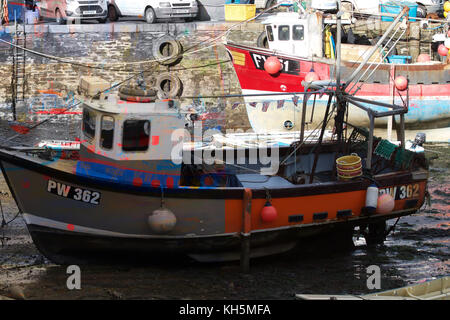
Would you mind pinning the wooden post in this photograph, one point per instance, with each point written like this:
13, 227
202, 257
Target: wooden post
370, 143
246, 230
414, 40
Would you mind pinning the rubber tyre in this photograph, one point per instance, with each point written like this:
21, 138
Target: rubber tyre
133, 91
269, 4
150, 15
262, 41
59, 18
175, 86
173, 57
376, 234
139, 99
112, 13
421, 11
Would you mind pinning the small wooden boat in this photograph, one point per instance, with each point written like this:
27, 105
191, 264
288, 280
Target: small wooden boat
437, 289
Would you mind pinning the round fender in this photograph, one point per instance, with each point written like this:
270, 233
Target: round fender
167, 50
168, 85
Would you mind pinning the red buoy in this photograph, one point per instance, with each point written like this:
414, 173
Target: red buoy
423, 57
385, 203
268, 213
311, 76
272, 65
442, 50
401, 83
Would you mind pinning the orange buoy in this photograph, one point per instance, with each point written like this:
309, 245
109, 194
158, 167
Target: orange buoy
423, 57
385, 203
268, 213
401, 83
442, 50
272, 65
311, 76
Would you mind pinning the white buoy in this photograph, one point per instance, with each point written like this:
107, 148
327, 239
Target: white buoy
372, 197
162, 220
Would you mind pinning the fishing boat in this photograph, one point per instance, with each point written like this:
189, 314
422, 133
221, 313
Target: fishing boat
303, 44
149, 180
437, 289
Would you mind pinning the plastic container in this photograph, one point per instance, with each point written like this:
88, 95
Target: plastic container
239, 12
349, 167
399, 59
396, 8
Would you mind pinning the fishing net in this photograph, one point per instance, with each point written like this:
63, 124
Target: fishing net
385, 149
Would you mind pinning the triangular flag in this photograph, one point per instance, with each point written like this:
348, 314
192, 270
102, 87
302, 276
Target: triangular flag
252, 104
235, 105
280, 104
265, 106
295, 100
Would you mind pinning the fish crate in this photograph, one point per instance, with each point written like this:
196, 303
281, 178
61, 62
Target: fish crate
91, 86
239, 12
399, 59
396, 8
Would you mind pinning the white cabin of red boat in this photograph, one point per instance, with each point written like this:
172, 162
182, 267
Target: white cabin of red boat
296, 34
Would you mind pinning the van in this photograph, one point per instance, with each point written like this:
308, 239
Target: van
70, 10
151, 10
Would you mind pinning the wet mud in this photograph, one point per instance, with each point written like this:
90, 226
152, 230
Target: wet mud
417, 250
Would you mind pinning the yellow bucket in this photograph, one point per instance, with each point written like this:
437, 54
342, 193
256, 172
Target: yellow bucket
349, 167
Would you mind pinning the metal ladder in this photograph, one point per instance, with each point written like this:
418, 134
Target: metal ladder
18, 77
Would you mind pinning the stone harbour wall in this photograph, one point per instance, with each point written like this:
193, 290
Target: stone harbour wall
199, 70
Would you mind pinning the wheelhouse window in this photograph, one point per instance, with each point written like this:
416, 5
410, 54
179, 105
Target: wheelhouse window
136, 135
107, 133
89, 118
269, 32
298, 32
283, 33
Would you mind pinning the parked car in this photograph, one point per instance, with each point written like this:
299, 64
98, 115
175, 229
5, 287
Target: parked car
151, 10
69, 10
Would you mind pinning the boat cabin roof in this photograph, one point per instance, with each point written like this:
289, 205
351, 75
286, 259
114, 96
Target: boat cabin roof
114, 105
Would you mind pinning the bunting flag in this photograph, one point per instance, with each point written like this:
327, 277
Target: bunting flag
252, 104
19, 128
280, 104
235, 105
295, 100
265, 106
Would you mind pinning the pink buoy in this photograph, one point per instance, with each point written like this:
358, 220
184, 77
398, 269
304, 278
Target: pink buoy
268, 213
448, 34
423, 57
442, 50
385, 203
272, 65
401, 83
311, 76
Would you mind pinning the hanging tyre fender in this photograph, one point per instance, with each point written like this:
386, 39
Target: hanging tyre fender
140, 99
133, 91
262, 40
168, 85
167, 50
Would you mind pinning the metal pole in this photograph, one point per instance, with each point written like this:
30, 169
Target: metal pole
338, 46
370, 143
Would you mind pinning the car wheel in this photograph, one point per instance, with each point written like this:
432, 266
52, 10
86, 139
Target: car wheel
112, 14
150, 15
421, 11
59, 18
270, 3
